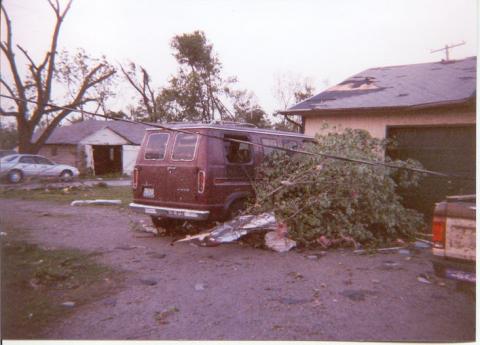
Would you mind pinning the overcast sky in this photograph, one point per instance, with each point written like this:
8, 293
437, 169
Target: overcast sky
257, 40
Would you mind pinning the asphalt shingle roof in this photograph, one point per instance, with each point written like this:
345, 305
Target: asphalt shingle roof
76, 132
399, 86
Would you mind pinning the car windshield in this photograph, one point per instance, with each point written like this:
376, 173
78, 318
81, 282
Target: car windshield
8, 158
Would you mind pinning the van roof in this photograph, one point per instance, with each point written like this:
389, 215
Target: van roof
236, 128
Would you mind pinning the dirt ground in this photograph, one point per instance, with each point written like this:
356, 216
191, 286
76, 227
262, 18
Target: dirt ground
235, 292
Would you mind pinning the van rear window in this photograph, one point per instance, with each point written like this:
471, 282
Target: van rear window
184, 148
156, 146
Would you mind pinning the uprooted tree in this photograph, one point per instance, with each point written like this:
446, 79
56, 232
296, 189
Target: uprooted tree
79, 77
325, 201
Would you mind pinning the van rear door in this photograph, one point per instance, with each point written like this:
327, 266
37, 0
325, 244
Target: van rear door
182, 170
152, 168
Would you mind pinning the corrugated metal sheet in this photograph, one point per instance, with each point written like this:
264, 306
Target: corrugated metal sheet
399, 86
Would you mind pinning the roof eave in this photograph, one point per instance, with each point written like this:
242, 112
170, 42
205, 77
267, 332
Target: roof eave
316, 111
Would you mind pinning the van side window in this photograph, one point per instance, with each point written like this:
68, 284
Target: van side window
268, 151
184, 148
239, 153
156, 146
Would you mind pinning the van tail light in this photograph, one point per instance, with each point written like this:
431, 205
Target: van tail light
438, 231
135, 178
201, 181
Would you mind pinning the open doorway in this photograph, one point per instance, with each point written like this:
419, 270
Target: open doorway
107, 159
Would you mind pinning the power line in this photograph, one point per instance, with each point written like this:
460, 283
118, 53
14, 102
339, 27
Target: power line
324, 155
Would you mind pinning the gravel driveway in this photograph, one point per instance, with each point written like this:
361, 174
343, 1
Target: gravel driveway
236, 292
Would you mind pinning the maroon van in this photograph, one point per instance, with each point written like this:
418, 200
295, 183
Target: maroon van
196, 174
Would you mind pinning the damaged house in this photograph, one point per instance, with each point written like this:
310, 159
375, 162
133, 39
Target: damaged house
96, 147
429, 109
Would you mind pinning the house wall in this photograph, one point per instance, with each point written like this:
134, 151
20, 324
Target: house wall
376, 123
104, 136
65, 154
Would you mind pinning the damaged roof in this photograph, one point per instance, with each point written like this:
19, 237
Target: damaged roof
76, 132
398, 86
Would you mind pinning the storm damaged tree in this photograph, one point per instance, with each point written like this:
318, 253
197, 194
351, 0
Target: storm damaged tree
140, 80
327, 201
246, 109
195, 92
33, 94
290, 90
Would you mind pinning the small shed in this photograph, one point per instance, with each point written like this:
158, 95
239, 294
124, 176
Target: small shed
429, 109
96, 147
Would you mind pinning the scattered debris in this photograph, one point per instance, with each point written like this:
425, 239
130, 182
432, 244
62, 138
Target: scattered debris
296, 275
96, 202
200, 287
233, 230
161, 316
148, 281
375, 281
3, 233
382, 250
424, 278
423, 244
110, 302
68, 304
357, 295
278, 241
127, 247
390, 265
312, 257
404, 251
158, 255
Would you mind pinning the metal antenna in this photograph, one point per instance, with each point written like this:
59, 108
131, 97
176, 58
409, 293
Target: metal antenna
446, 48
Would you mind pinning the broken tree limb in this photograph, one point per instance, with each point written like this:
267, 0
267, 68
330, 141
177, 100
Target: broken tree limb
362, 251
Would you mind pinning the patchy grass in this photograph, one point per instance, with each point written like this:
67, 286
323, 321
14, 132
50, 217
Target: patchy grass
36, 281
67, 195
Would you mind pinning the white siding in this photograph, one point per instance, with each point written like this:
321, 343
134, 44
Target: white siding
105, 136
129, 157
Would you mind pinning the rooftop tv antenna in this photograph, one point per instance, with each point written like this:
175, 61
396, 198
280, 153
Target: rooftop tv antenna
446, 48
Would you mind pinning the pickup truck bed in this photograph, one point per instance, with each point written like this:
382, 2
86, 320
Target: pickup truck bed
454, 238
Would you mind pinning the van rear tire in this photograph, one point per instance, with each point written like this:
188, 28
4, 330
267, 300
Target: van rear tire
236, 208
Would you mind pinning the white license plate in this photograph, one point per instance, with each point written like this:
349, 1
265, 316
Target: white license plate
148, 193
150, 211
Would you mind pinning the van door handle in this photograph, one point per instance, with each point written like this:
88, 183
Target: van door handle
170, 169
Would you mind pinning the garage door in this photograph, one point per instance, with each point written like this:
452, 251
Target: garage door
449, 150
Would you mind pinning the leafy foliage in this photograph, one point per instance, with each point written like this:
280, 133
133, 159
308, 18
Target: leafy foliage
195, 92
337, 200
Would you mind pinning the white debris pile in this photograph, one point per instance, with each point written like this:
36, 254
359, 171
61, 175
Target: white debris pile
240, 226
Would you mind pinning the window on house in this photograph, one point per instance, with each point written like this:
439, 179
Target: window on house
156, 146
236, 152
184, 148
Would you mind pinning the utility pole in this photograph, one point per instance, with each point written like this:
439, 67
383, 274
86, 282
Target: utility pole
446, 48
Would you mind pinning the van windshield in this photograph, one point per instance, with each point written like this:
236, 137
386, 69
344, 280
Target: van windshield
156, 146
184, 148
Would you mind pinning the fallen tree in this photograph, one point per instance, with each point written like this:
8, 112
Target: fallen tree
325, 201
